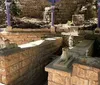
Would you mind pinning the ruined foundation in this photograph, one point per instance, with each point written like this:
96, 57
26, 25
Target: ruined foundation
24, 65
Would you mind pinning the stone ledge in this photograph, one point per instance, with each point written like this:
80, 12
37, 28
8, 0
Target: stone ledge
81, 74
61, 71
28, 30
6, 52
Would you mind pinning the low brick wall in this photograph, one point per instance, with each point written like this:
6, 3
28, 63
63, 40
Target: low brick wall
81, 75
25, 65
22, 37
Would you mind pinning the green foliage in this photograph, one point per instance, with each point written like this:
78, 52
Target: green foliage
15, 11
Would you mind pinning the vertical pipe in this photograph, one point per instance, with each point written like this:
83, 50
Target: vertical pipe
98, 13
52, 15
8, 12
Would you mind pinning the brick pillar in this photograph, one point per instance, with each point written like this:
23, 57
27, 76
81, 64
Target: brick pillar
85, 75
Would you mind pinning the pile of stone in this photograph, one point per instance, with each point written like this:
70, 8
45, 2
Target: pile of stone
27, 23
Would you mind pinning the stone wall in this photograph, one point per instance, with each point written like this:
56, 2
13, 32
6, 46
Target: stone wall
81, 75
25, 65
2, 12
66, 8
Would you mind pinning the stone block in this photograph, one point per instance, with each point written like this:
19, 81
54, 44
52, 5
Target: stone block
4, 71
61, 73
4, 80
81, 73
2, 63
78, 19
82, 82
74, 80
52, 83
11, 60
7, 79
50, 76
59, 79
85, 67
26, 62
24, 70
91, 75
75, 70
15, 67
93, 83
68, 81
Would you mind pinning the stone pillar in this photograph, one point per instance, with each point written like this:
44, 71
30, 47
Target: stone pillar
7, 3
98, 13
53, 30
52, 15
97, 30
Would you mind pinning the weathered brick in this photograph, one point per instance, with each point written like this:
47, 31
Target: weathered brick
92, 75
24, 70
13, 76
96, 70
61, 73
85, 67
75, 70
53, 83
93, 83
11, 60
68, 81
82, 82
59, 79
26, 62
81, 73
13, 67
4, 79
74, 80
50, 76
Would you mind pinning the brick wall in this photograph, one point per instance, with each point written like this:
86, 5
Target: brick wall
85, 75
25, 65
81, 75
23, 37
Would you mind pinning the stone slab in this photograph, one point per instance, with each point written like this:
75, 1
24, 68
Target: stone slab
6, 52
51, 68
63, 64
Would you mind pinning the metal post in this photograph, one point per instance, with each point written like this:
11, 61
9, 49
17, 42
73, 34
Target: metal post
52, 15
8, 12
